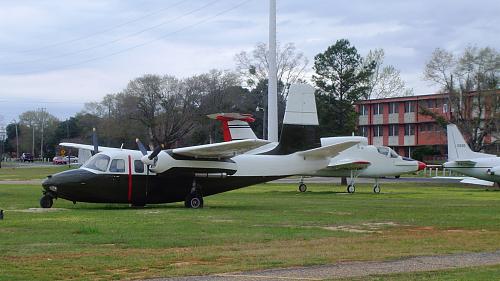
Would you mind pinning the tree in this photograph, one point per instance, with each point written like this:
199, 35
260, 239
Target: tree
471, 81
254, 67
386, 80
342, 79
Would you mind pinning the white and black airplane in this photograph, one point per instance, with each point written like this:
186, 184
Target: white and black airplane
140, 177
481, 168
361, 160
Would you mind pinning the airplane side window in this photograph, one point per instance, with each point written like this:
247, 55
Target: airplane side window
383, 150
138, 166
117, 166
99, 162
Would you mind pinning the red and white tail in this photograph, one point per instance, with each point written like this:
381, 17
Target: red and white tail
235, 126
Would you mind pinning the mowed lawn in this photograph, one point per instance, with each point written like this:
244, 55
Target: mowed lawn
29, 173
263, 226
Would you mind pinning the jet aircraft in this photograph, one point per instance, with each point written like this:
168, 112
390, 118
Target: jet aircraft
482, 168
188, 174
361, 160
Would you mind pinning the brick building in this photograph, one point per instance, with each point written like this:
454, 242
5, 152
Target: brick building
398, 123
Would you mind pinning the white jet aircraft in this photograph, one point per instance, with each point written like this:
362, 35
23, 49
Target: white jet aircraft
482, 168
362, 160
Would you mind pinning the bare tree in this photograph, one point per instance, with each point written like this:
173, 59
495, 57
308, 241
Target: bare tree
471, 80
254, 66
386, 80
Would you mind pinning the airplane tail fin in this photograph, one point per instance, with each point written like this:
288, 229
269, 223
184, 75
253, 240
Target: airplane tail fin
235, 126
458, 149
300, 124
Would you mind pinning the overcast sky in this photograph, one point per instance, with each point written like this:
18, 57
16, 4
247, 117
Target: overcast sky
60, 54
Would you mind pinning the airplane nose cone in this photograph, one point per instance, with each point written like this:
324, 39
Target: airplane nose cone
421, 165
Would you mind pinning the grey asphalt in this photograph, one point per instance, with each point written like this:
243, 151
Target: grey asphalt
365, 180
355, 269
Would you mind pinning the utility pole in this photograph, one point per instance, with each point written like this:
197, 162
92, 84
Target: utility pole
42, 117
17, 139
272, 90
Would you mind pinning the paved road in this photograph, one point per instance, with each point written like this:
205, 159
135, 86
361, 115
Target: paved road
364, 180
355, 269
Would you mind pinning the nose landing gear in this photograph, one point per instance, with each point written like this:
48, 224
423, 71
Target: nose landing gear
46, 201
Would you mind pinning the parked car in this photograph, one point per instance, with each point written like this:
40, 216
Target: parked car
59, 160
27, 157
74, 159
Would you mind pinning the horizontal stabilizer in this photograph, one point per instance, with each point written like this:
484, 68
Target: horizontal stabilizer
220, 150
327, 151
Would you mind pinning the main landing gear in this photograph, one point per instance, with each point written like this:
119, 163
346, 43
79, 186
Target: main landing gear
302, 185
376, 186
194, 199
46, 201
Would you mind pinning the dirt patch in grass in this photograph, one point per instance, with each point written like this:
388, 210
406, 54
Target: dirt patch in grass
39, 210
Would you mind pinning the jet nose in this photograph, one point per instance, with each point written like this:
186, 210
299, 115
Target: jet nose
421, 165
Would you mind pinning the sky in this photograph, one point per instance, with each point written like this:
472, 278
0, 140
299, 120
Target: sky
60, 54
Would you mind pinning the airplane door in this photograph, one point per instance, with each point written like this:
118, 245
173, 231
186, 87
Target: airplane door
137, 184
118, 175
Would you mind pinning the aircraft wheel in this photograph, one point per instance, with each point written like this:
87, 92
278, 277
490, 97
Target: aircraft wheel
194, 201
351, 188
46, 201
302, 187
376, 188
397, 177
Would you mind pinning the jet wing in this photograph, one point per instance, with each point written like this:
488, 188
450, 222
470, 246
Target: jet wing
469, 180
220, 150
327, 151
347, 164
86, 146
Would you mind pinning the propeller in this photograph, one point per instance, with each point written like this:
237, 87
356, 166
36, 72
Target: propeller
148, 159
94, 142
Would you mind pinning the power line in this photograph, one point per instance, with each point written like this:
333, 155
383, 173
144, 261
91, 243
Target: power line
157, 11
115, 40
145, 43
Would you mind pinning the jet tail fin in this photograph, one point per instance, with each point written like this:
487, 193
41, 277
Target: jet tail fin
300, 124
458, 149
235, 126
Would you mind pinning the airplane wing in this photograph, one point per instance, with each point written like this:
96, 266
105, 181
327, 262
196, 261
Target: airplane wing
348, 164
327, 151
220, 150
86, 146
469, 180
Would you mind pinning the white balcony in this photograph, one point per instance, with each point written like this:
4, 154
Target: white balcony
363, 120
393, 118
410, 117
393, 140
410, 140
378, 141
378, 119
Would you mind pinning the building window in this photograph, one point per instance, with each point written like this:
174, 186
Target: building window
363, 109
378, 131
431, 103
393, 107
363, 131
409, 106
393, 130
378, 109
409, 129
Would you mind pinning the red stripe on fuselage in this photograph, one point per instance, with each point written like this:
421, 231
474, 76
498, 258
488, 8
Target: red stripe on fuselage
129, 179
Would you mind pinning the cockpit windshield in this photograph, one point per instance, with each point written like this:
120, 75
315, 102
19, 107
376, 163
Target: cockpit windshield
99, 162
384, 150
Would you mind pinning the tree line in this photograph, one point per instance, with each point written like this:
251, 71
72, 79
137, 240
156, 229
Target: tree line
164, 109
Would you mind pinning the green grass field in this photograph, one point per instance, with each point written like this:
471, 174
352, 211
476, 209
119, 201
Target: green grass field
264, 226
31, 173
